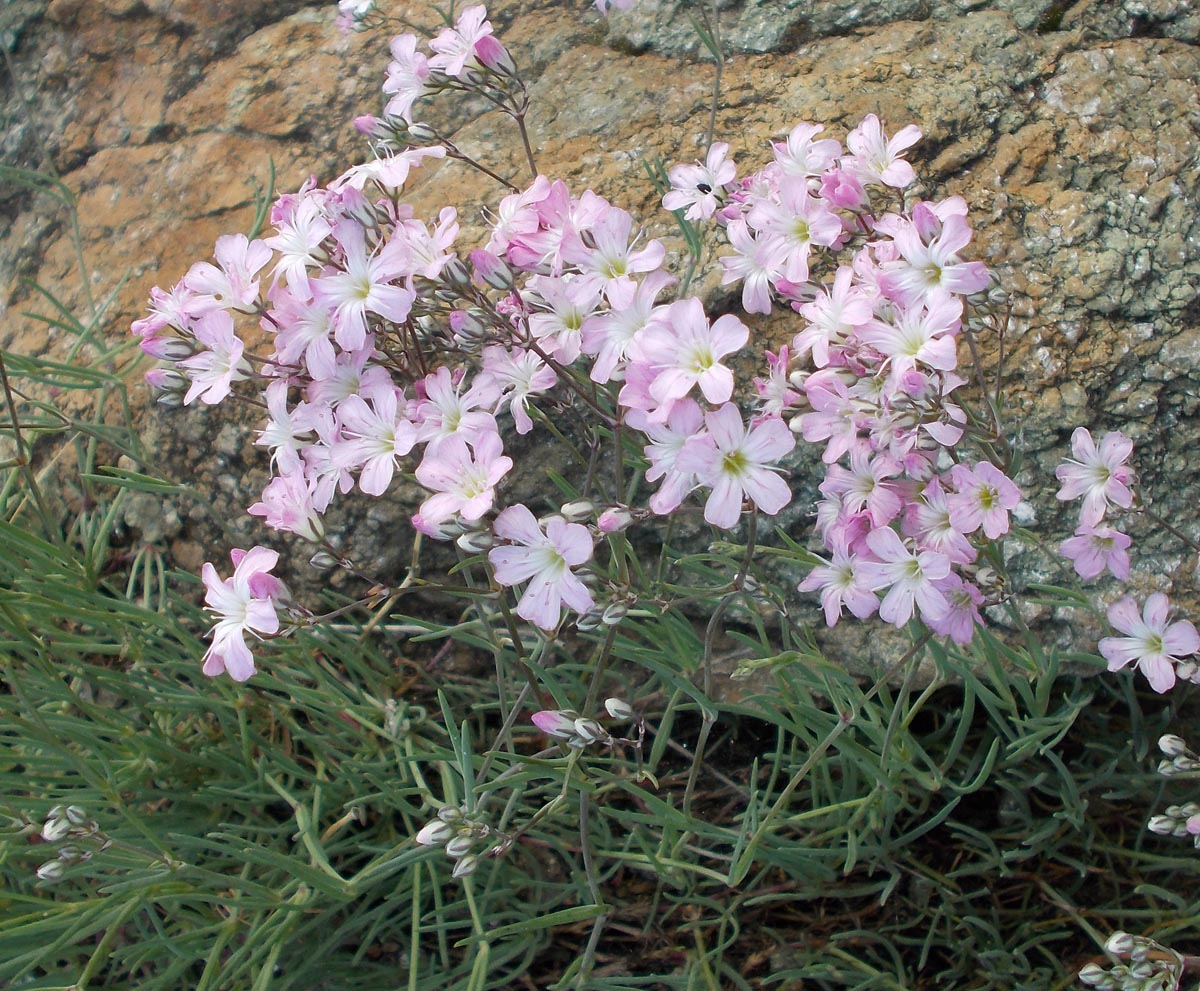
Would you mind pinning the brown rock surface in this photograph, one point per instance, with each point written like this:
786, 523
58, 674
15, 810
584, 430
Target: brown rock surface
1072, 130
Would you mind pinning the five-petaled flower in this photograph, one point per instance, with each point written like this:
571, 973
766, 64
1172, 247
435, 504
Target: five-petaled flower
1149, 642
245, 602
543, 559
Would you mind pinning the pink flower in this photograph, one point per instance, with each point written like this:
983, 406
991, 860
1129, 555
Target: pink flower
374, 435
842, 585
1149, 642
737, 464
758, 262
544, 559
1094, 548
214, 370
407, 74
463, 479
877, 158
287, 505
1100, 475
455, 47
700, 189
912, 577
984, 499
687, 352
244, 602
963, 616
232, 286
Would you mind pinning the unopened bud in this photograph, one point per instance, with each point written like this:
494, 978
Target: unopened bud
435, 833
493, 270
1120, 944
165, 380
588, 622
578, 510
50, 871
1172, 745
590, 731
467, 326
450, 813
324, 560
1162, 825
460, 845
421, 132
493, 55
465, 866
56, 829
614, 519
559, 723
456, 273
618, 708
614, 613
167, 348
475, 541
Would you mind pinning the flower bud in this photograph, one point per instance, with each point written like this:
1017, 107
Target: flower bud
460, 845
475, 541
434, 833
467, 327
577, 511
1092, 973
590, 731
614, 613
1120, 944
165, 380
588, 622
456, 272
167, 348
1162, 825
555, 722
493, 270
614, 519
323, 560
465, 866
493, 55
421, 132
450, 813
1172, 745
56, 828
618, 709
50, 871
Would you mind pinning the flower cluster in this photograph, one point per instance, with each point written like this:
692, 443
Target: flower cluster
462, 836
883, 298
1102, 478
70, 823
1145, 965
579, 731
1178, 820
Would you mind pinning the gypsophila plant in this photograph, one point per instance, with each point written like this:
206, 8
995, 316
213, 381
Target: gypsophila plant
392, 812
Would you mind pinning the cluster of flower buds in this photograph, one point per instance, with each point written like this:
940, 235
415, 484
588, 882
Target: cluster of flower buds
463, 836
579, 731
1145, 966
1177, 820
1182, 759
70, 822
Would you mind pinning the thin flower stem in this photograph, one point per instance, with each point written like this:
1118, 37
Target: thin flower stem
585, 847
520, 119
452, 151
22, 459
1170, 528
